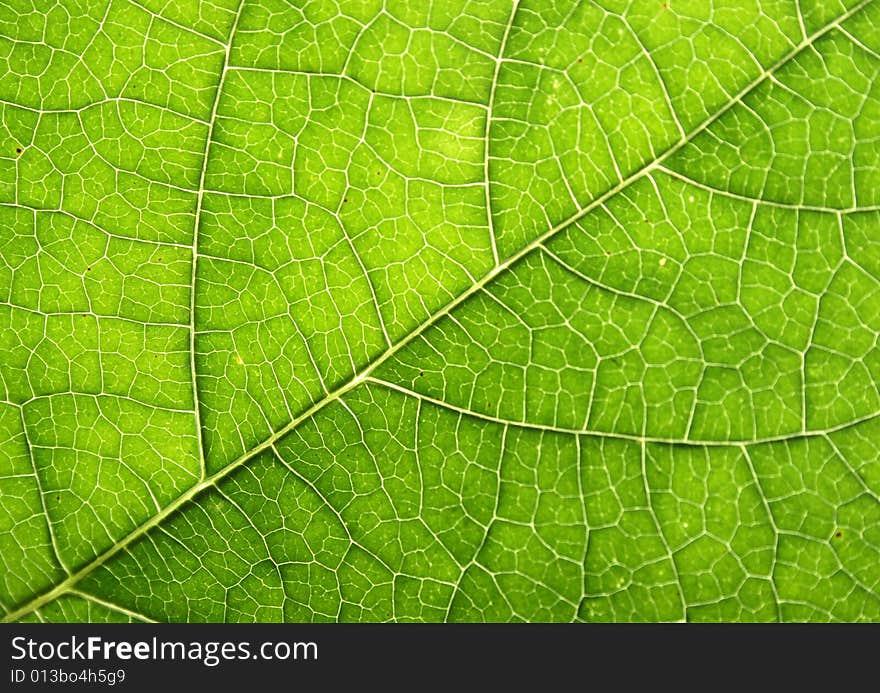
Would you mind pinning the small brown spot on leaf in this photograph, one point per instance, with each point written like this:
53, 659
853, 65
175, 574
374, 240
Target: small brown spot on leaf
18, 150
580, 60
838, 534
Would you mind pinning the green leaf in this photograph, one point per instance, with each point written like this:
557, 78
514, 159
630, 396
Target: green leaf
458, 310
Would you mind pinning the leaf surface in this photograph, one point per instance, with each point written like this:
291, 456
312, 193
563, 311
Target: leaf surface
459, 310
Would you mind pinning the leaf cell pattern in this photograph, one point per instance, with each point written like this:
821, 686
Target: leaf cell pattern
457, 310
